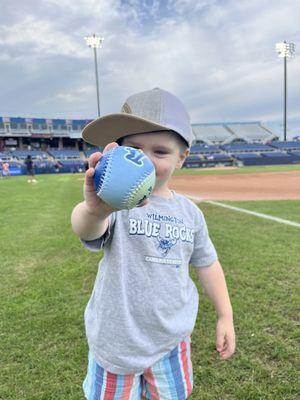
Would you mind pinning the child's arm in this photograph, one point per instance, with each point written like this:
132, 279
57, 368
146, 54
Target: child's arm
90, 218
86, 225
213, 281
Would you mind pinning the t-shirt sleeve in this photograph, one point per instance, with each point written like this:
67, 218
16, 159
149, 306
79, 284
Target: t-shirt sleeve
204, 253
98, 244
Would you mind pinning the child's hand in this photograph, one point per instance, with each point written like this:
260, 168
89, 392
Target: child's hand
225, 337
93, 202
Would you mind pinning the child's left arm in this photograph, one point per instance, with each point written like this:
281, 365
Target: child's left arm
213, 281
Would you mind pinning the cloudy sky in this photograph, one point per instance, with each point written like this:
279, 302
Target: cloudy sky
218, 56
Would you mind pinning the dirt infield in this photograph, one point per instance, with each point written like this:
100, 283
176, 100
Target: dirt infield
253, 186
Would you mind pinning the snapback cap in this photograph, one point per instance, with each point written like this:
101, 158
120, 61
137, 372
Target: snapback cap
150, 111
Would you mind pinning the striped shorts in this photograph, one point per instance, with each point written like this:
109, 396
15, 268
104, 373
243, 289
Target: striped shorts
171, 378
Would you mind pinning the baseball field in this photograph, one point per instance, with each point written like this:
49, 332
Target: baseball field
253, 215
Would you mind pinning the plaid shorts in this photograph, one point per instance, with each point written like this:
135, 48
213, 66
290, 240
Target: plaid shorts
171, 378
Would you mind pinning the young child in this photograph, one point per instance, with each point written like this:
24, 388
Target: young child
143, 307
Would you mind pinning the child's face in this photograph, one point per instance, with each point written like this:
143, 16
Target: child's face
163, 150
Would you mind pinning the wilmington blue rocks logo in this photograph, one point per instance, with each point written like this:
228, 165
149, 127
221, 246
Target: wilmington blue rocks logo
165, 245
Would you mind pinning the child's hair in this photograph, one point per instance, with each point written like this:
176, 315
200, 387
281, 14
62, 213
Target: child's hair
180, 141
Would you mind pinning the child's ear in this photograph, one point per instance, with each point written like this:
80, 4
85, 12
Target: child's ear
182, 157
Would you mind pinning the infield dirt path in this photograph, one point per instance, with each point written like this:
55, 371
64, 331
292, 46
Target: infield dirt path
256, 186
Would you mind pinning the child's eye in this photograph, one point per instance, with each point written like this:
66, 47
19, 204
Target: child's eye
161, 152
136, 147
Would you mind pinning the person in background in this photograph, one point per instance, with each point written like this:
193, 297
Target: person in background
5, 169
57, 166
30, 169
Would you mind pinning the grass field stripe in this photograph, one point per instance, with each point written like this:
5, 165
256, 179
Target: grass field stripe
256, 214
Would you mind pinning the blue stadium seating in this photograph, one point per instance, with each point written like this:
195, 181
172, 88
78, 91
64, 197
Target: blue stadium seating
193, 157
192, 161
5, 156
286, 145
214, 159
218, 157
295, 153
64, 154
246, 147
274, 158
92, 150
245, 156
204, 148
72, 166
276, 155
198, 161
35, 154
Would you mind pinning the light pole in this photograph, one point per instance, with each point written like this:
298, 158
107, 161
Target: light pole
285, 50
95, 42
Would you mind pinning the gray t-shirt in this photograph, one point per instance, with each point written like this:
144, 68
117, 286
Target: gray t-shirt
144, 301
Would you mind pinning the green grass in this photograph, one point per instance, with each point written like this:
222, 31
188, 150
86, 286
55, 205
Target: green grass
47, 278
287, 209
241, 170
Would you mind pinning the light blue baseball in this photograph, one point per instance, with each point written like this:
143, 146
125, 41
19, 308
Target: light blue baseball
124, 177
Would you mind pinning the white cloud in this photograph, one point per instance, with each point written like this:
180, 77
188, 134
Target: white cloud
39, 37
74, 96
218, 56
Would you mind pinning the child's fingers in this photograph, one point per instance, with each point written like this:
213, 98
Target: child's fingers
89, 174
220, 341
226, 354
89, 180
110, 146
88, 188
228, 348
94, 158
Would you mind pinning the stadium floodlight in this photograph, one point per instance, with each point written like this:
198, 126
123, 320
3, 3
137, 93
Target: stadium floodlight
95, 42
285, 50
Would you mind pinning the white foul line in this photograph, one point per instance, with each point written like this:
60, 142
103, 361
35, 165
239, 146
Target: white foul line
256, 214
